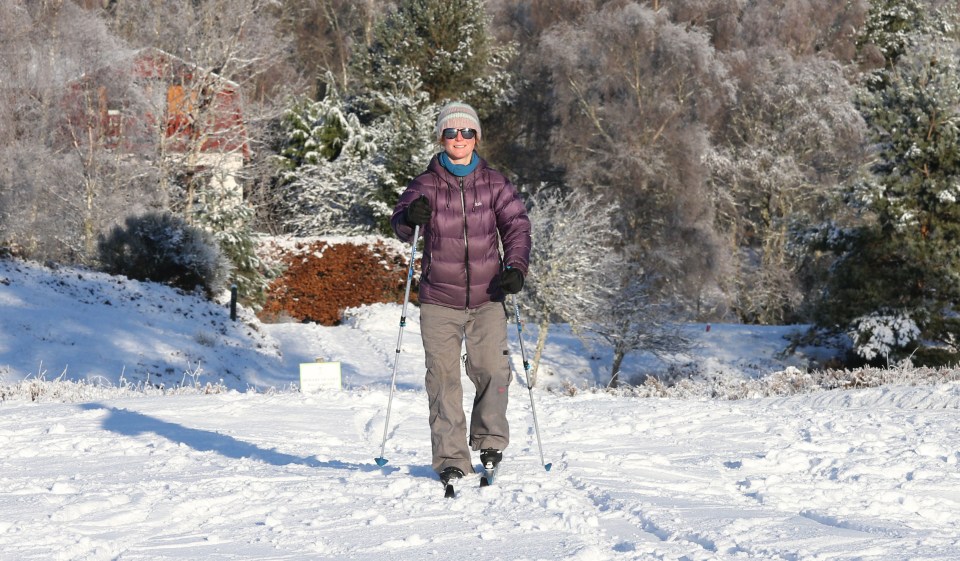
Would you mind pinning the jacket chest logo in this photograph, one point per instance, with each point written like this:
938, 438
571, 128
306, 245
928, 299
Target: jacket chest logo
476, 204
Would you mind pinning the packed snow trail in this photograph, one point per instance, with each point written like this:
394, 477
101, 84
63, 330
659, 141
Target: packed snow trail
845, 475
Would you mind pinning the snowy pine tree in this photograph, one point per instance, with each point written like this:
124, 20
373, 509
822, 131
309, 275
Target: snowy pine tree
445, 46
405, 135
333, 171
230, 225
903, 260
422, 54
892, 28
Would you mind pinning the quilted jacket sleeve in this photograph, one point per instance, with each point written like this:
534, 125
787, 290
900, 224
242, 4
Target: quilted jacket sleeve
514, 227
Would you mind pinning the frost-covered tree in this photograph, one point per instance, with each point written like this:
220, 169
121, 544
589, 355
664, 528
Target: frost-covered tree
793, 136
332, 170
60, 183
631, 93
633, 319
800, 29
905, 254
882, 333
446, 46
231, 226
423, 53
891, 29
575, 260
579, 276
217, 45
405, 142
237, 39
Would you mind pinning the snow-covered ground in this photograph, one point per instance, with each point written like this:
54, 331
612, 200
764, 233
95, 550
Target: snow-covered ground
117, 469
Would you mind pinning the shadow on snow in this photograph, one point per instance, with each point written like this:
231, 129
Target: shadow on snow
132, 423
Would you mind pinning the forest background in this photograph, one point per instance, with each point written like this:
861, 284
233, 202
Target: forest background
767, 162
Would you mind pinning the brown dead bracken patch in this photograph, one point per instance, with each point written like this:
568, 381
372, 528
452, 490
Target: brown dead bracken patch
322, 279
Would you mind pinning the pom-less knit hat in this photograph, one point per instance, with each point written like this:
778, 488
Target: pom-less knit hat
457, 115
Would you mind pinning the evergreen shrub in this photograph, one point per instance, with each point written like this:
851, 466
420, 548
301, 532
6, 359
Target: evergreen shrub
163, 248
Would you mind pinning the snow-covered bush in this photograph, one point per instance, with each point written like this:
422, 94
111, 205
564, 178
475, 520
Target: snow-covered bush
787, 382
881, 334
162, 247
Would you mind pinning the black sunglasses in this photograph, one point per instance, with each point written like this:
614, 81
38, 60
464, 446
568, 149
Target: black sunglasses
467, 134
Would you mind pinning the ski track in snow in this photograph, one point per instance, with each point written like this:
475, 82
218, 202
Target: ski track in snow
193, 477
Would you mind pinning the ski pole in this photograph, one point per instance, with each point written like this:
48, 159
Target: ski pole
526, 369
381, 460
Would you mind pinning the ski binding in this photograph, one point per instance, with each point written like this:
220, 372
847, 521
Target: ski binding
448, 476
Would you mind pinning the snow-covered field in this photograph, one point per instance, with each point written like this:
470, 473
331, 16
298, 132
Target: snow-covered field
116, 469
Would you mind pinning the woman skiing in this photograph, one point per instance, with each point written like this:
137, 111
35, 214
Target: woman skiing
465, 210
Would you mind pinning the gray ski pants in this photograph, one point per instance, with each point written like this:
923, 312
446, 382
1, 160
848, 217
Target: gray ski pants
444, 331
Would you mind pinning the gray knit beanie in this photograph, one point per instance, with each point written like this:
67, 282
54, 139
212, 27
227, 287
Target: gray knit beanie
457, 115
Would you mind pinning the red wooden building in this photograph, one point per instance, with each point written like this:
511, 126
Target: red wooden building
156, 104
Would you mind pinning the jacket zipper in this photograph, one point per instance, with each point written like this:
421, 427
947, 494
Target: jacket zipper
466, 242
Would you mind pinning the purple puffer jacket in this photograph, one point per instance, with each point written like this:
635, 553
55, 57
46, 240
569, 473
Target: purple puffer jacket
460, 241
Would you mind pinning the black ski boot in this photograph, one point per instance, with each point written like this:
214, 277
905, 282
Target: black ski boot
490, 458
448, 477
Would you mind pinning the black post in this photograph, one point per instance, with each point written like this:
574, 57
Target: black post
233, 302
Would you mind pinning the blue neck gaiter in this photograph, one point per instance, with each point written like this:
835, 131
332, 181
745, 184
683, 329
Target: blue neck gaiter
457, 169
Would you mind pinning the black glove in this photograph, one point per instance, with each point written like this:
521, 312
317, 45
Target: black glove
511, 281
418, 213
